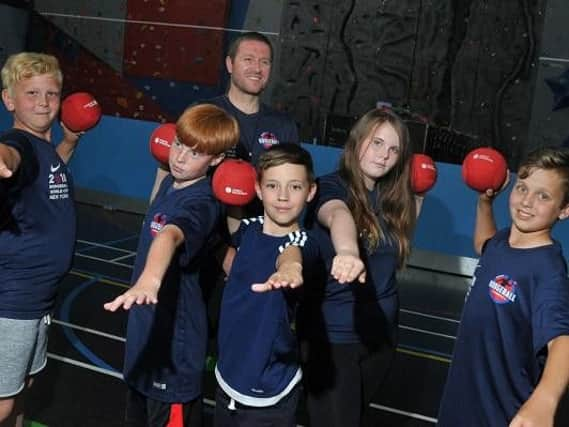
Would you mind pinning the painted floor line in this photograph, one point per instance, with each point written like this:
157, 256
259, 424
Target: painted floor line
404, 413
430, 316
88, 330
120, 258
102, 245
427, 332
416, 353
84, 365
101, 279
210, 402
94, 258
123, 339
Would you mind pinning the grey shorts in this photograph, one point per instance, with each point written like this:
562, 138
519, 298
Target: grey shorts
23, 352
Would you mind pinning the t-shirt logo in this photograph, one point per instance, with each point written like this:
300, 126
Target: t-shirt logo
502, 289
268, 139
57, 183
158, 222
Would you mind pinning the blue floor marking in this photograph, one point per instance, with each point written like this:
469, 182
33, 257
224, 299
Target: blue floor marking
64, 315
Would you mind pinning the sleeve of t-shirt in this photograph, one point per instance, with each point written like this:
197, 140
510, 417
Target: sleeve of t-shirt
495, 239
236, 237
197, 220
28, 169
304, 241
550, 317
330, 187
292, 133
310, 250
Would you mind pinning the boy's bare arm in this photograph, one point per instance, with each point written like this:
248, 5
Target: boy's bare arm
228, 260
485, 226
288, 274
160, 254
234, 216
347, 265
539, 409
68, 144
161, 173
10, 160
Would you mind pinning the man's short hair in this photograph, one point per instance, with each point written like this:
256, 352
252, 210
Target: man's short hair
249, 36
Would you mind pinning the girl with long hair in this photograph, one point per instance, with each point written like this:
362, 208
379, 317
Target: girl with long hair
364, 216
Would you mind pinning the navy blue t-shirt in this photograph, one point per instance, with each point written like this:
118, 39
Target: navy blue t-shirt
166, 342
518, 301
37, 228
260, 130
350, 313
258, 360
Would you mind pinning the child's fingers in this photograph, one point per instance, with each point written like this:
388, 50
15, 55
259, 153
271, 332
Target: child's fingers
292, 280
277, 282
109, 306
346, 268
261, 287
4, 171
114, 304
128, 301
347, 273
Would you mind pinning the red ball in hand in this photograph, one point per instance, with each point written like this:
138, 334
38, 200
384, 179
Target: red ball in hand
484, 168
80, 111
423, 173
161, 140
233, 182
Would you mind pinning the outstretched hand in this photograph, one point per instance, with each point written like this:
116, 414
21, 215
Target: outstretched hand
347, 268
143, 292
289, 275
9, 161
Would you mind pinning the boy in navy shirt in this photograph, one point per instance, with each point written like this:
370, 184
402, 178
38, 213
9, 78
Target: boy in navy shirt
167, 325
511, 359
257, 369
37, 222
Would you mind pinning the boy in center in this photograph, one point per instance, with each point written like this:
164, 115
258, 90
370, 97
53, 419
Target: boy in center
257, 369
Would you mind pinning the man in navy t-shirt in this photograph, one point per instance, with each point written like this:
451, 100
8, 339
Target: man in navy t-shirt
249, 62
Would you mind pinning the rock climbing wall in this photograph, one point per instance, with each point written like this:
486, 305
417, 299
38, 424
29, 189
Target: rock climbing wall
462, 72
144, 59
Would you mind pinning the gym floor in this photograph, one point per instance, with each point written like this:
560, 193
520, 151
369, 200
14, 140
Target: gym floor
82, 385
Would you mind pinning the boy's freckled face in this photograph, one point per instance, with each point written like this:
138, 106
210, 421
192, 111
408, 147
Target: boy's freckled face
284, 190
536, 202
187, 165
35, 103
